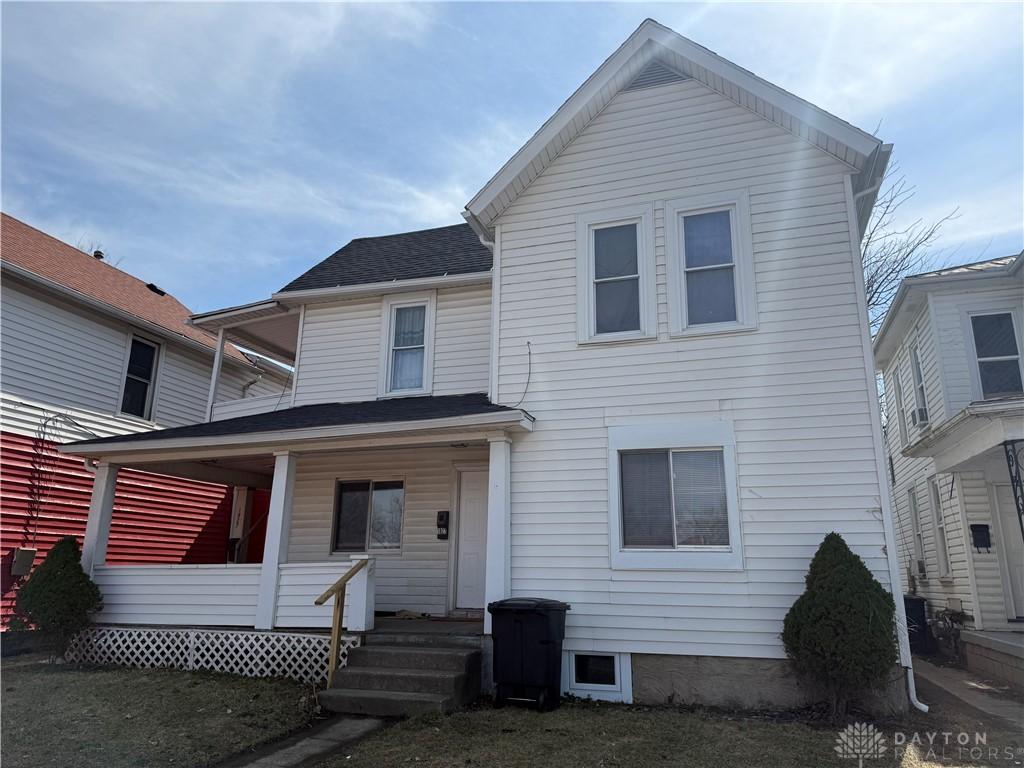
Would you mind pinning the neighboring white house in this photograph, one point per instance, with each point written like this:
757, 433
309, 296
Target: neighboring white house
639, 380
89, 350
950, 355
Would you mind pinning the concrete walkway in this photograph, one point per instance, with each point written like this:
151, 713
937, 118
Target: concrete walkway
992, 699
308, 747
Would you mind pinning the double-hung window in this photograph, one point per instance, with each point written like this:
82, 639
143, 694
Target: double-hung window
407, 344
710, 264
919, 417
368, 515
615, 262
900, 405
918, 567
139, 378
674, 501
939, 520
998, 354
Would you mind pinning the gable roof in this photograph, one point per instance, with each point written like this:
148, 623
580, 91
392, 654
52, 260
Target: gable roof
35, 254
652, 42
909, 298
453, 250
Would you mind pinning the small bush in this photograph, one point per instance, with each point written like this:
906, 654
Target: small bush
840, 631
58, 596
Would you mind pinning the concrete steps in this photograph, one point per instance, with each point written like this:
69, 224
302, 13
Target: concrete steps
401, 674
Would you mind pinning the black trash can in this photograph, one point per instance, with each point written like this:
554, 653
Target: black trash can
527, 634
917, 624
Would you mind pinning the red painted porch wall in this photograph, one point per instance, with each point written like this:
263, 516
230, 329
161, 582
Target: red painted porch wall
157, 518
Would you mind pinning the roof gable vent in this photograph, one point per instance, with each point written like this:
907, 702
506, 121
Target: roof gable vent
655, 73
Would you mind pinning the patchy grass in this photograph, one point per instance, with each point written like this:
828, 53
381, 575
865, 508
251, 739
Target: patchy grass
582, 735
61, 715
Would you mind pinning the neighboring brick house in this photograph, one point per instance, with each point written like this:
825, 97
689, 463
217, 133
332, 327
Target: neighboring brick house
92, 351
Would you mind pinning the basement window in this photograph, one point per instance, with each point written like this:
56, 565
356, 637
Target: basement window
595, 675
593, 669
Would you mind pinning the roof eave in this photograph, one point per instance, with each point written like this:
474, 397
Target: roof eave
514, 419
369, 289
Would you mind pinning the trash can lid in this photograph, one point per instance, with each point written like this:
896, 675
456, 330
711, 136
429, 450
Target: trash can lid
528, 604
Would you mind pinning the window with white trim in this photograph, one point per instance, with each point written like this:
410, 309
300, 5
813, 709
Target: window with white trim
901, 413
407, 344
595, 675
919, 416
615, 263
939, 520
710, 264
918, 566
368, 515
997, 353
674, 500
140, 378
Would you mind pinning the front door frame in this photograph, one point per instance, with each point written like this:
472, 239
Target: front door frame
453, 526
1013, 611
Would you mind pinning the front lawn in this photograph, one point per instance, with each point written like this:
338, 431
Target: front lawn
63, 715
582, 735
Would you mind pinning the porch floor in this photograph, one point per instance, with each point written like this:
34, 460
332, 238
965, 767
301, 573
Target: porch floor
457, 627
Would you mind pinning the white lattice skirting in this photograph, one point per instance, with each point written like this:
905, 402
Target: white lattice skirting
252, 654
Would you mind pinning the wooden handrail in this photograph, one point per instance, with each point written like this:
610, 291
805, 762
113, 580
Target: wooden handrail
340, 583
337, 589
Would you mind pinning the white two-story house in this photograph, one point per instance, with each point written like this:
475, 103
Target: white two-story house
950, 354
638, 380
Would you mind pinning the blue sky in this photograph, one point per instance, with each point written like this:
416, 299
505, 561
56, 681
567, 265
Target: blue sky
220, 150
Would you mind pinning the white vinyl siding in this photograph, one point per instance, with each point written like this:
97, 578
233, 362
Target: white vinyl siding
414, 578
65, 358
341, 347
796, 391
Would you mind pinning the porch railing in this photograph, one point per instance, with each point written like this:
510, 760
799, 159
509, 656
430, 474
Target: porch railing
337, 591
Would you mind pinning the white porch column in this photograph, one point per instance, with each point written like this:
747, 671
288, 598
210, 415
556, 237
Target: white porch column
361, 599
275, 548
101, 509
498, 580
218, 359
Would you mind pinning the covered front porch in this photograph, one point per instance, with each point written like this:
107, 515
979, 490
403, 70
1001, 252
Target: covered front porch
417, 488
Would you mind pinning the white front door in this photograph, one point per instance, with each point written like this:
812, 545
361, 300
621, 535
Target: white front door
472, 539
1013, 547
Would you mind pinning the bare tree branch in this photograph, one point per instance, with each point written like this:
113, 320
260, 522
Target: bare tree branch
890, 252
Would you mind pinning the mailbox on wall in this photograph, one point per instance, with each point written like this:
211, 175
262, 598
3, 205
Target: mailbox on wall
442, 525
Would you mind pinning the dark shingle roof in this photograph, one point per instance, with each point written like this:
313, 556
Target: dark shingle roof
454, 250
324, 415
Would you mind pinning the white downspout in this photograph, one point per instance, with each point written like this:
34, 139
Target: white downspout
875, 415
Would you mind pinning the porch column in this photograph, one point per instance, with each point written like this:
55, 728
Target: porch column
101, 509
218, 359
497, 582
275, 547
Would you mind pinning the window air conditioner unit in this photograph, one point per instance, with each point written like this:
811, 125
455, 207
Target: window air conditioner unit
919, 417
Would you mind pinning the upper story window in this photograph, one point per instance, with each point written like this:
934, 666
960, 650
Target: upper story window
998, 356
139, 378
899, 404
615, 263
919, 416
673, 501
407, 344
368, 515
710, 264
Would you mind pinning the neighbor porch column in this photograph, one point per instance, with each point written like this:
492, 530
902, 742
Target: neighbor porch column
101, 509
275, 548
497, 583
218, 359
